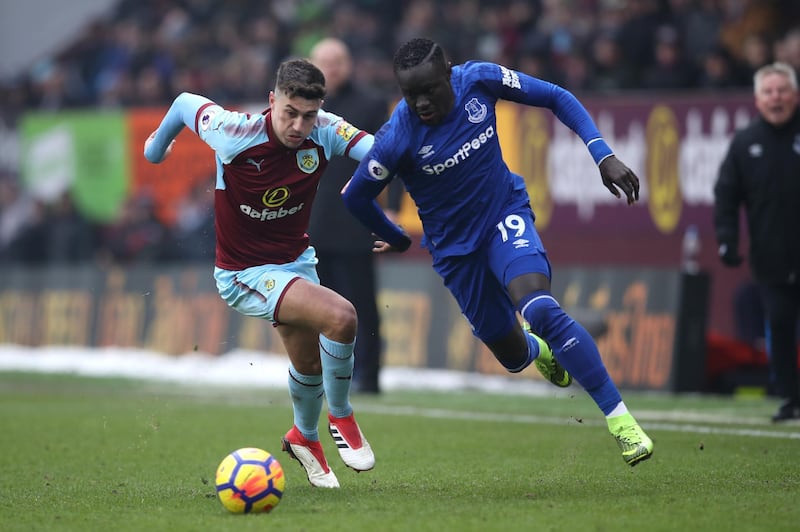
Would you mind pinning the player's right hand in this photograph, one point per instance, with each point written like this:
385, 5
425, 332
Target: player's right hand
616, 176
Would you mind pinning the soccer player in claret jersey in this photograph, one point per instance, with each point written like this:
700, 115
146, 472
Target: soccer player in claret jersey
441, 140
268, 168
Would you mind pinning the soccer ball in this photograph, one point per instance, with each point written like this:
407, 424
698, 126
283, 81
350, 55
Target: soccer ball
250, 480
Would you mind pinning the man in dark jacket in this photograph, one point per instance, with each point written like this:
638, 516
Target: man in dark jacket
762, 172
344, 246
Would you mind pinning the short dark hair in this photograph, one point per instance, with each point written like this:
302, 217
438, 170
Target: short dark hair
298, 77
418, 51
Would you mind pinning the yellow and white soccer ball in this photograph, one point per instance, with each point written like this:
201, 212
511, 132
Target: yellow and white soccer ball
250, 480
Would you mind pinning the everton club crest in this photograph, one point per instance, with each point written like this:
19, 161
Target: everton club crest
476, 111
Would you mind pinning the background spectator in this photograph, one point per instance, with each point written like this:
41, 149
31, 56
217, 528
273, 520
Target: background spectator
137, 235
347, 264
193, 237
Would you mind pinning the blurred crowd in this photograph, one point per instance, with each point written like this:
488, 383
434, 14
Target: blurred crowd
147, 51
35, 232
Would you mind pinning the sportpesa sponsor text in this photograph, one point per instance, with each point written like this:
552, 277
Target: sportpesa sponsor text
462, 154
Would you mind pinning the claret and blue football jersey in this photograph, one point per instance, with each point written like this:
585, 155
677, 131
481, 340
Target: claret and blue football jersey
264, 190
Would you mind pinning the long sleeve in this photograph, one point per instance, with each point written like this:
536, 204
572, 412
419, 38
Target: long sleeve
182, 112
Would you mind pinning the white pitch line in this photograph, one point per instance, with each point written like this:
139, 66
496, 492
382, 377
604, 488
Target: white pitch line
439, 413
693, 416
701, 429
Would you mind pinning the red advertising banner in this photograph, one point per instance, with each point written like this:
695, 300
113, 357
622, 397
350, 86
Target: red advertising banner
191, 163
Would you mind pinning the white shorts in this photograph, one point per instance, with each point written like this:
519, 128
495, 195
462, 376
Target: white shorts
258, 290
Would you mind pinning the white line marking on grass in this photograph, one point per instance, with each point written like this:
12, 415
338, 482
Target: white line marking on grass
683, 416
700, 429
439, 413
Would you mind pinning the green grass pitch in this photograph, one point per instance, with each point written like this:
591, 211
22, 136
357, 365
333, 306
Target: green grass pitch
123, 455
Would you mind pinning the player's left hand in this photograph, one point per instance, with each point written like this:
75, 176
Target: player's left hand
381, 246
617, 176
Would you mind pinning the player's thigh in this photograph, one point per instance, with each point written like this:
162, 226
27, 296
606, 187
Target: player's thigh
516, 249
481, 298
306, 304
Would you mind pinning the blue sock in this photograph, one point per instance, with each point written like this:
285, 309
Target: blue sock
337, 374
573, 347
306, 393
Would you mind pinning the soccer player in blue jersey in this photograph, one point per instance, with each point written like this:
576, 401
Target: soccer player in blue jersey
268, 169
478, 225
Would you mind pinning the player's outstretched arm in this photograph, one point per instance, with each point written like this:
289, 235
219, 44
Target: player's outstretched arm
571, 112
182, 112
617, 176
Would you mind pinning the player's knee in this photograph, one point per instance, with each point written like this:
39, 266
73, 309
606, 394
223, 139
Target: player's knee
510, 349
342, 322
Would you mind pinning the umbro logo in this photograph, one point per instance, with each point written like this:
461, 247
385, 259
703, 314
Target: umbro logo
521, 243
256, 164
569, 344
426, 151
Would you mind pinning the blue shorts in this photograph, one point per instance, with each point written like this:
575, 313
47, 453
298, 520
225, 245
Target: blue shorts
478, 281
258, 290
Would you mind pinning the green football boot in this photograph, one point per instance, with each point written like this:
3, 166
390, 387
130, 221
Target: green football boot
636, 446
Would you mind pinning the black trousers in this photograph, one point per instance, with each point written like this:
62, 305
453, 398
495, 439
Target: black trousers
353, 277
782, 308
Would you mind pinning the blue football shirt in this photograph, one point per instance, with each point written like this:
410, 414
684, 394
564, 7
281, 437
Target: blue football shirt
454, 171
